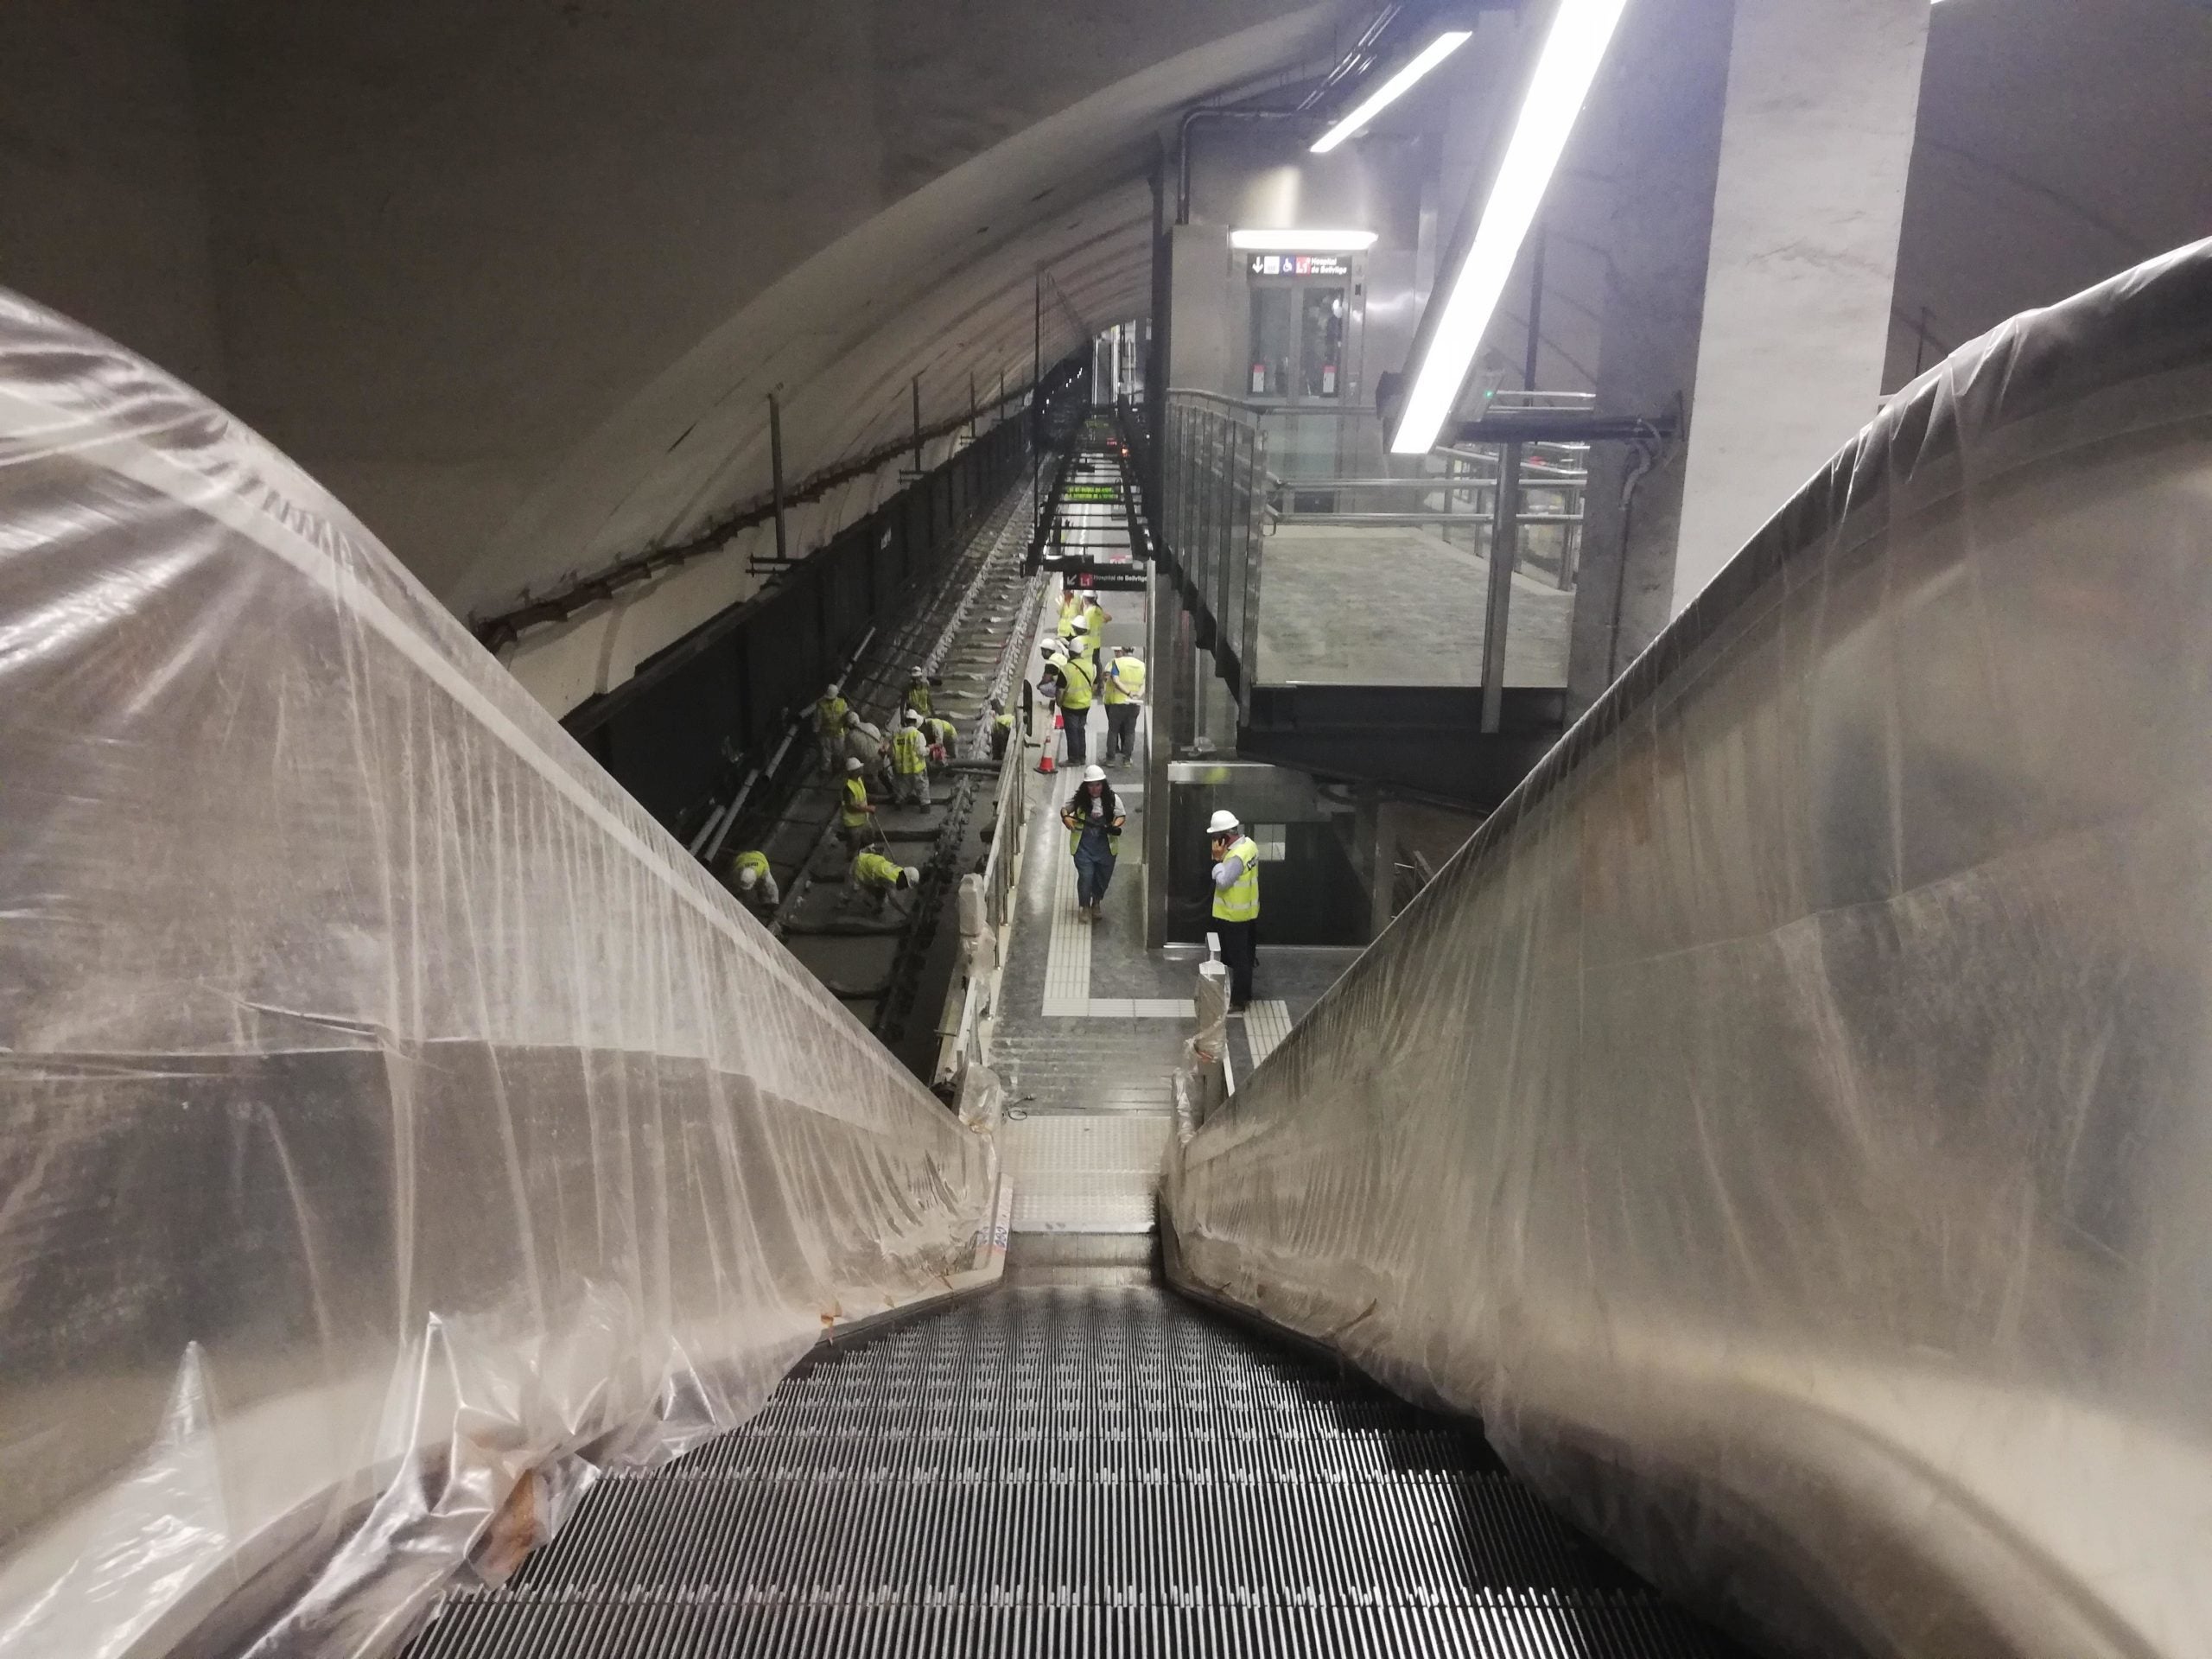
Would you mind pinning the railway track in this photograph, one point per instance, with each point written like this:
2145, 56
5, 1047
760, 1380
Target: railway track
969, 634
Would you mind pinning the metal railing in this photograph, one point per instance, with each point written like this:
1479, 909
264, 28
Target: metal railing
1237, 473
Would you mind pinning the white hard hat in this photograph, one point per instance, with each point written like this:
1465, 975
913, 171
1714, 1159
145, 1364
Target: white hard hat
852, 764
918, 670
1094, 774
1224, 824
834, 689
910, 877
749, 877
913, 716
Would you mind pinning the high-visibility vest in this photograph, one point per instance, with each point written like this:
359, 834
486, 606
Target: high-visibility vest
829, 716
854, 808
1094, 626
1071, 618
1076, 816
1125, 681
917, 698
908, 755
1075, 685
941, 732
874, 870
1004, 722
755, 861
1240, 900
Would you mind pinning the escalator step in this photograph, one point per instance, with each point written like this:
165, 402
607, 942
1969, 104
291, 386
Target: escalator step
1091, 1471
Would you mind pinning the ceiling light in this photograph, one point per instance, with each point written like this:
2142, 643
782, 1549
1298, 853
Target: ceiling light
1302, 241
1393, 89
1581, 29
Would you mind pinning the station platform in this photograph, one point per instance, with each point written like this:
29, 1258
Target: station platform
1092, 1025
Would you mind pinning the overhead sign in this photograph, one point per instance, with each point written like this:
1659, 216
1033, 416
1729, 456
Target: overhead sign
1301, 265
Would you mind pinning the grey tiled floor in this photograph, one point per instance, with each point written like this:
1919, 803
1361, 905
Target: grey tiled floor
1089, 1094
1397, 606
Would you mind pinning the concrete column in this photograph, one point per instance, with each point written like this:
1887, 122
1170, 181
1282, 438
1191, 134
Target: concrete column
1815, 142
1206, 340
1648, 149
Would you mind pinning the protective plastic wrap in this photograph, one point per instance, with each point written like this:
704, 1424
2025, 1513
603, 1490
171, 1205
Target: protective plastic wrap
388, 1109
1789, 1122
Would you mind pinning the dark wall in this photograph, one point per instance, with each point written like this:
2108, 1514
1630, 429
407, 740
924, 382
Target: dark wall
723, 696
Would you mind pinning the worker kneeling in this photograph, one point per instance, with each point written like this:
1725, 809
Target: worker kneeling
1235, 902
756, 883
1094, 819
875, 878
910, 762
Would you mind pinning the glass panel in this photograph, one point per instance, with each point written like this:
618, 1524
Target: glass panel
1321, 341
1270, 352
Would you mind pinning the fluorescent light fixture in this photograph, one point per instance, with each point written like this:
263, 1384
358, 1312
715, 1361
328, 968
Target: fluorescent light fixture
1302, 241
1393, 89
1581, 29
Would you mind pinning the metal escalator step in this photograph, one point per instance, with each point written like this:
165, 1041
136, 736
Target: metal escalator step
1099, 1471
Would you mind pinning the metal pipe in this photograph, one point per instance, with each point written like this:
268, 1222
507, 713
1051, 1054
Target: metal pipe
1359, 59
918, 422
776, 471
1536, 307
1505, 535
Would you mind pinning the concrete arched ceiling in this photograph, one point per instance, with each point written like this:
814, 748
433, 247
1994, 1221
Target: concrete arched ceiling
530, 271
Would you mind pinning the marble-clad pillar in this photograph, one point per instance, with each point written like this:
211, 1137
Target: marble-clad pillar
1822, 105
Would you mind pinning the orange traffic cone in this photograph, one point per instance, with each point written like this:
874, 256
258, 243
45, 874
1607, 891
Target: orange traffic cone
1044, 761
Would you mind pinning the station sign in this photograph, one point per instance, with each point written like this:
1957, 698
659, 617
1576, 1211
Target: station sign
1301, 265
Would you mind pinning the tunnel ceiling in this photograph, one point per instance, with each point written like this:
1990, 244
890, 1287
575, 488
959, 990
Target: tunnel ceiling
519, 282
515, 281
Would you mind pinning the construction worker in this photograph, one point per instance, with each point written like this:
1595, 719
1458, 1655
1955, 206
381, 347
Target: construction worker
1235, 902
874, 877
866, 743
1094, 818
756, 884
917, 694
1121, 688
1075, 680
1070, 622
943, 738
855, 813
1002, 729
830, 725
1095, 618
910, 764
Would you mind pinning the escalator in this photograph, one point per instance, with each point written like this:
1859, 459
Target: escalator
1068, 1470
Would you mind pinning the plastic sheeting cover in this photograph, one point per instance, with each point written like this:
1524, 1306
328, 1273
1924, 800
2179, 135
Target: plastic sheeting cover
387, 1107
1789, 1122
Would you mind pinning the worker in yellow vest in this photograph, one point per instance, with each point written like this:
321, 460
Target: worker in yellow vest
917, 694
874, 877
830, 725
1002, 729
756, 884
855, 813
943, 738
1070, 622
1076, 683
1235, 902
1095, 618
1093, 819
1122, 688
910, 762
